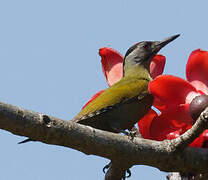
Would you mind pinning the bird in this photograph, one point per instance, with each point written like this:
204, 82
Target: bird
124, 103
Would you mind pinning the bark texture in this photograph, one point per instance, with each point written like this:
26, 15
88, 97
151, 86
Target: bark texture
169, 155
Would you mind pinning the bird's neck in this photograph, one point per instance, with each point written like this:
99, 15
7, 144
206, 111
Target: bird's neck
138, 70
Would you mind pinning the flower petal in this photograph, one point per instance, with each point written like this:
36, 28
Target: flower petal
93, 97
205, 137
173, 135
145, 123
112, 65
197, 66
198, 142
201, 141
179, 115
160, 127
157, 65
157, 103
171, 89
200, 86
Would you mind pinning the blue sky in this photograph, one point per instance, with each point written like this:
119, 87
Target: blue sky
49, 63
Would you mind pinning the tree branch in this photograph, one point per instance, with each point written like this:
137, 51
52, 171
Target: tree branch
190, 135
116, 147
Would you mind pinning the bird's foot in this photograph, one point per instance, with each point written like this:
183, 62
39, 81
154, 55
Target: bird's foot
134, 132
106, 167
128, 172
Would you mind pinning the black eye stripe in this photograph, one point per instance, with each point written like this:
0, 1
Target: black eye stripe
130, 49
147, 45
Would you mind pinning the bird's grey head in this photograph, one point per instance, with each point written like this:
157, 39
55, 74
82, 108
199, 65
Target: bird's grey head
143, 52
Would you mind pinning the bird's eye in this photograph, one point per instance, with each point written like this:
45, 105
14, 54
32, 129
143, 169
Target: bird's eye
147, 45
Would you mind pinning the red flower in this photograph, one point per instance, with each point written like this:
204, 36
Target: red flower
112, 66
173, 96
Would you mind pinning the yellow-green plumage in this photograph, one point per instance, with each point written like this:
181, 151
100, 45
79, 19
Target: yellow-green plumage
123, 90
120, 106
128, 87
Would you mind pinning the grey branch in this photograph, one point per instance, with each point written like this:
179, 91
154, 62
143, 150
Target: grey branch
163, 155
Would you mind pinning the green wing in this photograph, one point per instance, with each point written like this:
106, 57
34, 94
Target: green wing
123, 90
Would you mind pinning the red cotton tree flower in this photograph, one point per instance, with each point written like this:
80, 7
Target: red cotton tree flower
173, 96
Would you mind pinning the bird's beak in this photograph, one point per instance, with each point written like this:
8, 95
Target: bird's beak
160, 44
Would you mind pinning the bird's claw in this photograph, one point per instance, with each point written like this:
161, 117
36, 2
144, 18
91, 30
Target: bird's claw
134, 132
106, 167
128, 172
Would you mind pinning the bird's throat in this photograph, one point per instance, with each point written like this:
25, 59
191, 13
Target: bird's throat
140, 71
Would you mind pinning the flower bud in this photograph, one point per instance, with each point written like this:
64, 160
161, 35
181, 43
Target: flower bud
197, 105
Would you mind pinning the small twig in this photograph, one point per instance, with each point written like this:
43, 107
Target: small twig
190, 135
